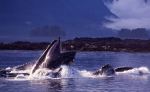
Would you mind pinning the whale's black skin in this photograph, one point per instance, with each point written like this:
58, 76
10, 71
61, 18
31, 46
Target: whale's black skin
108, 70
122, 69
67, 58
3, 72
105, 70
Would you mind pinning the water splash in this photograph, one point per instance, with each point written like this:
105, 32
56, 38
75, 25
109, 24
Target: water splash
87, 74
66, 72
70, 72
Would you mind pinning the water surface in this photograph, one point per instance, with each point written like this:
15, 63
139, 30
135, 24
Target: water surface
88, 61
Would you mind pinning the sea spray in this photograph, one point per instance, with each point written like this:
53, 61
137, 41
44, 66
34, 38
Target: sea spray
40, 74
44, 73
70, 72
85, 73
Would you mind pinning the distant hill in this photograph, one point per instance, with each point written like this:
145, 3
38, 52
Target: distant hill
139, 33
86, 44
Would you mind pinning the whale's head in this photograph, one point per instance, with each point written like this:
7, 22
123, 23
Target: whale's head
53, 57
107, 70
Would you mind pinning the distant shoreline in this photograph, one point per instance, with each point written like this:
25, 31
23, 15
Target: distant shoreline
86, 44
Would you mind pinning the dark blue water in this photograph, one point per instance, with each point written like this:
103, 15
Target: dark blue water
89, 61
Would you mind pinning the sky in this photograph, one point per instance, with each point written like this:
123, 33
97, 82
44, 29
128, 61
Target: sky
29, 20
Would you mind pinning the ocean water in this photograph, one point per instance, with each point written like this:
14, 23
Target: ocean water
78, 77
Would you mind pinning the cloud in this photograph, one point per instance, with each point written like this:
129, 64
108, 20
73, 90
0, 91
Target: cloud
130, 14
28, 22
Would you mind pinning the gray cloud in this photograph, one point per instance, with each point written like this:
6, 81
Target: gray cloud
48, 31
130, 14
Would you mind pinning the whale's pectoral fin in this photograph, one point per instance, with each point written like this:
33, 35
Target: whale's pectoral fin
122, 69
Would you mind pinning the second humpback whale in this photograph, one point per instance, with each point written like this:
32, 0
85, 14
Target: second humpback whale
108, 70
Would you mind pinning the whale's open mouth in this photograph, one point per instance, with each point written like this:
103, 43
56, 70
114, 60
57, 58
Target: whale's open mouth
53, 57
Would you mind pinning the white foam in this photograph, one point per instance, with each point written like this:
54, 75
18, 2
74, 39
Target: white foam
20, 71
40, 74
20, 76
66, 72
89, 74
70, 72
85, 73
8, 68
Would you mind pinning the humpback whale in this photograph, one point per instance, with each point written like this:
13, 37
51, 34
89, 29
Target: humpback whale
52, 58
108, 70
105, 70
